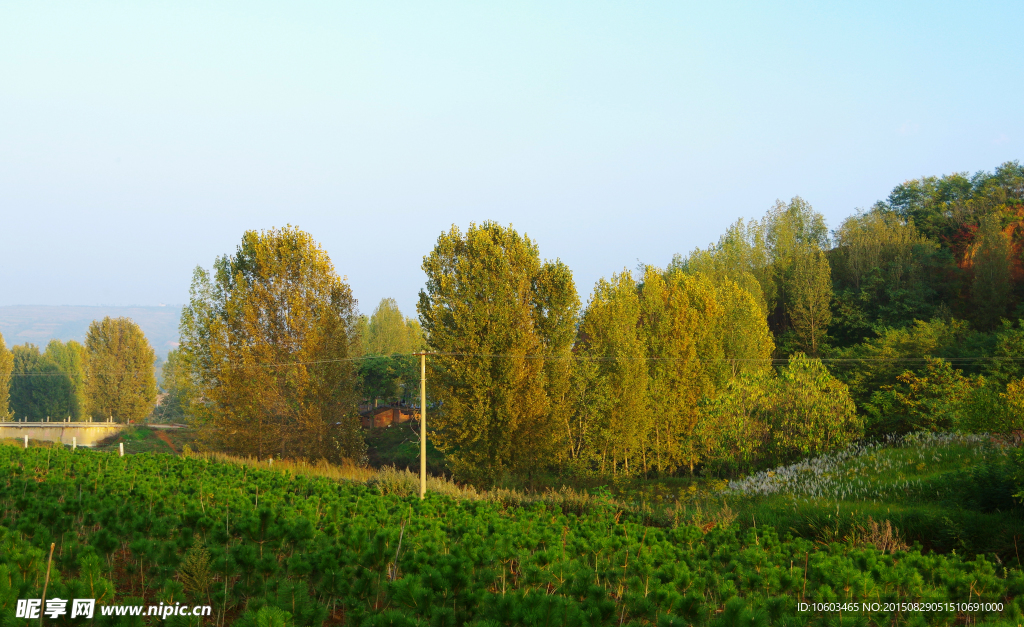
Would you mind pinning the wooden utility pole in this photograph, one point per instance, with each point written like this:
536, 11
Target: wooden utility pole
423, 423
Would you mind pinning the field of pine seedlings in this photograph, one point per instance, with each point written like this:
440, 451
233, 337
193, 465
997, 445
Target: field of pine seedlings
307, 545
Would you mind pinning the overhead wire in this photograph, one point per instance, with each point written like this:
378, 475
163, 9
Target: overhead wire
772, 361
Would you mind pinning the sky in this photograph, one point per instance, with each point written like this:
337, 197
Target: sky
139, 140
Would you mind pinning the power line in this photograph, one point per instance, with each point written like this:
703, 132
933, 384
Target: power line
769, 360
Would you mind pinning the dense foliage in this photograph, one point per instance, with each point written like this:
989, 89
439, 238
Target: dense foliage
6, 366
121, 383
264, 358
111, 376
311, 551
501, 323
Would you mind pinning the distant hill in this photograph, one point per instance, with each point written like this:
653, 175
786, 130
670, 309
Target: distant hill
39, 324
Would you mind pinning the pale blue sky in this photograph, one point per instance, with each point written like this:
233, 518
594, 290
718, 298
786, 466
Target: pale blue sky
139, 139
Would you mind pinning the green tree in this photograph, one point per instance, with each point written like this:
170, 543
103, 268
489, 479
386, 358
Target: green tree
361, 336
1007, 361
388, 371
811, 298
387, 332
769, 417
496, 315
589, 400
611, 334
388, 377
741, 255
933, 400
6, 366
417, 341
990, 258
811, 413
71, 359
776, 260
265, 347
662, 348
868, 366
795, 234
170, 406
122, 379
885, 273
747, 343
39, 389
876, 240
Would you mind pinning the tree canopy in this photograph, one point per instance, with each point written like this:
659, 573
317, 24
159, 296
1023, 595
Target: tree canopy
499, 320
6, 367
121, 380
265, 347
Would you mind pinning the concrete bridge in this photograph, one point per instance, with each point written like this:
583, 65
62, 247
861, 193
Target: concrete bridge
84, 433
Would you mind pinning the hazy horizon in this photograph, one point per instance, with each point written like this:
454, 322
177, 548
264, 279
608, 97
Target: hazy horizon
38, 324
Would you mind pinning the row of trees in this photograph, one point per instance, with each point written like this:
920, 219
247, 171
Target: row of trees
658, 373
111, 376
663, 370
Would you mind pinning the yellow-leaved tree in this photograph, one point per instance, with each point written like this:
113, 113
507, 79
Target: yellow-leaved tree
610, 335
656, 351
121, 382
501, 323
264, 359
6, 366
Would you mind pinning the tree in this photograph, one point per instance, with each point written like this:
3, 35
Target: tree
742, 256
663, 347
931, 401
38, 390
388, 370
765, 258
265, 351
387, 332
610, 334
497, 317
171, 401
877, 239
747, 343
811, 298
775, 417
1007, 361
388, 377
122, 378
6, 366
870, 365
990, 257
71, 359
811, 413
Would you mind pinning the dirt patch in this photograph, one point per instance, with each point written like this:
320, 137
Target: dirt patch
163, 437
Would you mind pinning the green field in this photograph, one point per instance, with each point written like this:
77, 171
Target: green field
294, 545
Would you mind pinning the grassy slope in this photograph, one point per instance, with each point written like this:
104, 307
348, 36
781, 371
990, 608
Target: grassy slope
949, 494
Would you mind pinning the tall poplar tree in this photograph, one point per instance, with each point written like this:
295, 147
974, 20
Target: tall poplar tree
810, 298
122, 377
499, 321
71, 359
387, 332
265, 351
6, 366
990, 257
611, 335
